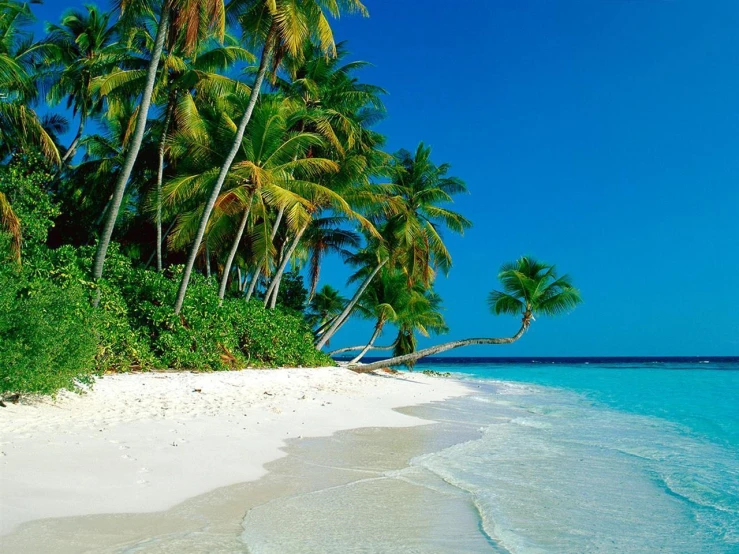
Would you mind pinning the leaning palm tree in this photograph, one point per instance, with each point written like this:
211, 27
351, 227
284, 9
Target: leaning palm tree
413, 213
421, 315
190, 19
280, 26
412, 310
325, 305
530, 288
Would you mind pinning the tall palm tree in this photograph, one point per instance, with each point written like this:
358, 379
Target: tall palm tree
411, 219
334, 104
530, 288
280, 26
85, 48
271, 169
191, 20
20, 126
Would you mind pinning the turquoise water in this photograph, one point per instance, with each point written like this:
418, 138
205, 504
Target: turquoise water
630, 458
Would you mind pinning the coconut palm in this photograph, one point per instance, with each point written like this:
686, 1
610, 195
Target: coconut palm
88, 193
279, 26
325, 305
413, 309
85, 48
20, 126
332, 103
530, 288
191, 20
181, 71
272, 169
416, 197
421, 315
411, 219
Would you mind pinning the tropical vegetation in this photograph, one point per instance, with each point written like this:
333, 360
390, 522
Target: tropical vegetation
173, 175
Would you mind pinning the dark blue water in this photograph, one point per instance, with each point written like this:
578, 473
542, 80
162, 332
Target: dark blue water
602, 455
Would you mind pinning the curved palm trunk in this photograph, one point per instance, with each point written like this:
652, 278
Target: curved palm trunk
75, 142
378, 330
438, 349
133, 150
258, 270
326, 325
359, 347
234, 248
343, 316
275, 285
160, 176
266, 55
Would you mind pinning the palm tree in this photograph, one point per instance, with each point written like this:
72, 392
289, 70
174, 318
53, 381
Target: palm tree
326, 236
421, 315
335, 105
325, 305
88, 192
85, 48
411, 220
191, 20
20, 126
530, 288
280, 26
272, 169
410, 309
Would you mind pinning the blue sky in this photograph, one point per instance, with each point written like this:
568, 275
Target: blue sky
600, 135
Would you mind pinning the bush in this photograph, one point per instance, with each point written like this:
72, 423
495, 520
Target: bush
51, 336
277, 337
45, 338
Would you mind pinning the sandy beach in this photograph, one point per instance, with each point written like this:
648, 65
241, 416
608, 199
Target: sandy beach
146, 442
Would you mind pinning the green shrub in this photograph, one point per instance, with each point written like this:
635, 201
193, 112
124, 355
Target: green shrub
274, 338
120, 346
51, 336
47, 340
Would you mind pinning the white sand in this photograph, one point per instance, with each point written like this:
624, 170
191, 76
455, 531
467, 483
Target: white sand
145, 442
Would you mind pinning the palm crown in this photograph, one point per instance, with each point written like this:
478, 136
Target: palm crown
532, 287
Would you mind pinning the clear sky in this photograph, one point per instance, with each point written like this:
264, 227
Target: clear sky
600, 135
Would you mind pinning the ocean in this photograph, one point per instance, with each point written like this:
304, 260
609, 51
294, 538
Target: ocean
635, 455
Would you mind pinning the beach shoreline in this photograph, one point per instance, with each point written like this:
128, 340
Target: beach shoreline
147, 442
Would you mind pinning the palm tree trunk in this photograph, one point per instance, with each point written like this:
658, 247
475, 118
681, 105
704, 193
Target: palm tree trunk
325, 326
438, 349
351, 348
343, 316
133, 150
73, 146
207, 259
272, 290
378, 330
166, 233
258, 270
266, 55
234, 248
240, 280
160, 175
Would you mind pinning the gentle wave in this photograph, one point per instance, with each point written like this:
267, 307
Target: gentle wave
559, 472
